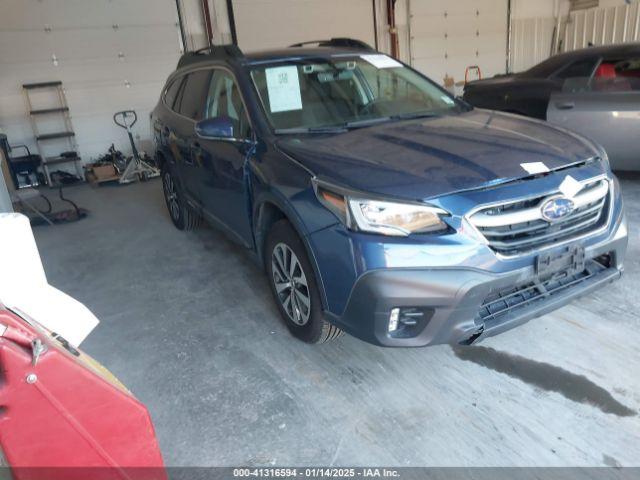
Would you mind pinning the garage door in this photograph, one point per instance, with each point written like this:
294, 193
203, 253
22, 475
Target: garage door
110, 55
264, 24
447, 36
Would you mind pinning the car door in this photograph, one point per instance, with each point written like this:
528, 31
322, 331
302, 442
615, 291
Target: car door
222, 161
190, 106
529, 95
606, 110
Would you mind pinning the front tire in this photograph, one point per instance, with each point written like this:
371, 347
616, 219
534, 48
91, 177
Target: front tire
182, 215
294, 286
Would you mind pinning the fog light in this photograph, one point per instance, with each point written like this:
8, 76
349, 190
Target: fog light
408, 322
393, 319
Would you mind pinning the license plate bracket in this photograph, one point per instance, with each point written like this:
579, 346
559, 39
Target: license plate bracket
571, 261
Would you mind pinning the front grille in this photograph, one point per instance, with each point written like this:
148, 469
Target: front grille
517, 227
507, 301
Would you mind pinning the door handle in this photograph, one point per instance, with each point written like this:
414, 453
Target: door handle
565, 105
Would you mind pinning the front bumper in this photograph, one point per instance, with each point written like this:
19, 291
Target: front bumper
452, 297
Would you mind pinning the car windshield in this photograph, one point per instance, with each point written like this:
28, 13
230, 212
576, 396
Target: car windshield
345, 92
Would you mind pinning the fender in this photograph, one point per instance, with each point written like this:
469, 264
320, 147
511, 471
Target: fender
271, 196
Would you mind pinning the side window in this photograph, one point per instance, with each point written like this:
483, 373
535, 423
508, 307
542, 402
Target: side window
171, 93
194, 94
579, 68
617, 76
628, 68
224, 100
178, 100
611, 76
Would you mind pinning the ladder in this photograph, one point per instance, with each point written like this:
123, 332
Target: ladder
58, 108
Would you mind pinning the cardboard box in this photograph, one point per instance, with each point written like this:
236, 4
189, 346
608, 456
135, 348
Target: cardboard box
101, 173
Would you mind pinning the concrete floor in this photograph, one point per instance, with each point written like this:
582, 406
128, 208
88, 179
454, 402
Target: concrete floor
189, 326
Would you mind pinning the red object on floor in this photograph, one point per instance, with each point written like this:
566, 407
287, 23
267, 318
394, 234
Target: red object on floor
67, 417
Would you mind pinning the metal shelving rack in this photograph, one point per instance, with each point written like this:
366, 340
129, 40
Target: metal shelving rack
68, 133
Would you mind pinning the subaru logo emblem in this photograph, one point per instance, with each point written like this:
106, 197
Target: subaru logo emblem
556, 208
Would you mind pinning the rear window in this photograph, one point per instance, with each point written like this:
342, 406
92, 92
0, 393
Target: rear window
611, 76
579, 68
546, 68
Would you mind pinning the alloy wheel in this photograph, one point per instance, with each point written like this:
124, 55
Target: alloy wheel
291, 284
171, 195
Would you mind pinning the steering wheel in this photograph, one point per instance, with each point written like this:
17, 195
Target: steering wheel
125, 114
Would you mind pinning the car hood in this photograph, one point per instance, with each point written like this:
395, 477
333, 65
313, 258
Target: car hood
425, 158
497, 81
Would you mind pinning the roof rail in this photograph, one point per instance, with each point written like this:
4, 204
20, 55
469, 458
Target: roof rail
215, 52
339, 42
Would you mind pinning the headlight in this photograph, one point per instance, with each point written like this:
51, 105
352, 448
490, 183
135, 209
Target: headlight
390, 218
387, 218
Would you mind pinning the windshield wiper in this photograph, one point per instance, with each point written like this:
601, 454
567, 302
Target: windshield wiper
328, 129
411, 116
343, 127
366, 122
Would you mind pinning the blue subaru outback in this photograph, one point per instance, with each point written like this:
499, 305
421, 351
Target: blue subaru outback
378, 204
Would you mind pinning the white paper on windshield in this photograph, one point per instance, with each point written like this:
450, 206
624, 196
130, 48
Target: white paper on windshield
283, 86
570, 187
381, 61
535, 167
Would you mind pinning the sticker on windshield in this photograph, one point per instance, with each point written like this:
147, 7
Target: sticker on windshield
283, 86
381, 61
535, 167
447, 100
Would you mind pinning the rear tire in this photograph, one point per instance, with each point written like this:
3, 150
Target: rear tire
294, 286
182, 215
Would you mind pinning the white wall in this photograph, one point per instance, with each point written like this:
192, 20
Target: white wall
538, 8
534, 26
532, 41
111, 55
263, 24
447, 37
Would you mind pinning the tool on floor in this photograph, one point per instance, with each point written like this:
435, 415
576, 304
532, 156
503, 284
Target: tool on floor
137, 168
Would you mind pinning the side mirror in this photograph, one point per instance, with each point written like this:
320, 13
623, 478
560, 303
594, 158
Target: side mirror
216, 128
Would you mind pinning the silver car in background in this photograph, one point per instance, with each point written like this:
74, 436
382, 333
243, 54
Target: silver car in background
604, 107
594, 91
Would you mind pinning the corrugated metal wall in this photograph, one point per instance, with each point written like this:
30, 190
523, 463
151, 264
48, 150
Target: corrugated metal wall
531, 41
110, 55
535, 39
602, 26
